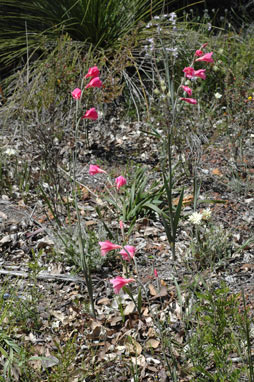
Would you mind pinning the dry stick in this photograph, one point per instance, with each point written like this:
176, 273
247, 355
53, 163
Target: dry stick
43, 276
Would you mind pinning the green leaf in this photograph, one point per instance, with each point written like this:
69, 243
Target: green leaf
167, 230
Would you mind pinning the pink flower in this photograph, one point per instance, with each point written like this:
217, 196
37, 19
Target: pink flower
120, 282
93, 72
187, 89
128, 252
199, 53
93, 169
121, 225
189, 100
200, 73
76, 94
204, 45
189, 72
107, 246
120, 181
206, 58
91, 114
94, 83
155, 272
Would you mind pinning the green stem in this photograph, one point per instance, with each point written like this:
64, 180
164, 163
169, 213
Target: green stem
84, 265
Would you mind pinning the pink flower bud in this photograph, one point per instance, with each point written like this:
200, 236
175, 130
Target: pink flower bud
76, 94
192, 101
199, 53
155, 272
91, 114
120, 181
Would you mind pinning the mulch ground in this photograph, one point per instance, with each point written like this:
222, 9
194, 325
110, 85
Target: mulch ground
108, 343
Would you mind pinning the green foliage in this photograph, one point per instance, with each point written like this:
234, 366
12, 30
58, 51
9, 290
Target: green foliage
140, 197
215, 337
13, 357
98, 22
210, 244
65, 370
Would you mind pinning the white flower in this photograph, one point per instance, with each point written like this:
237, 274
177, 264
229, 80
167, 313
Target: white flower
10, 152
195, 218
206, 214
172, 17
217, 95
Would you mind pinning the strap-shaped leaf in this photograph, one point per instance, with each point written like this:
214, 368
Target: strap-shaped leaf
168, 191
167, 230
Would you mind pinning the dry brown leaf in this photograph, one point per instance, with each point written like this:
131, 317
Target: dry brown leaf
216, 171
152, 290
95, 333
188, 199
85, 193
162, 293
103, 301
151, 332
134, 347
139, 361
90, 223
152, 343
35, 363
130, 308
58, 314
115, 320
